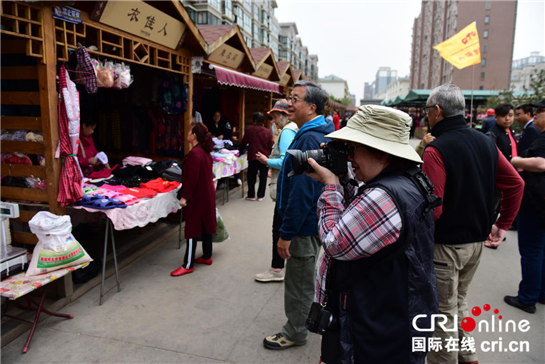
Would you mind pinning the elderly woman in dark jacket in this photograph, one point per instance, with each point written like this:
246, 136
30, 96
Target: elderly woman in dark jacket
198, 198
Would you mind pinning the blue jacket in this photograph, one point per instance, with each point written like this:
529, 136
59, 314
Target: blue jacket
297, 196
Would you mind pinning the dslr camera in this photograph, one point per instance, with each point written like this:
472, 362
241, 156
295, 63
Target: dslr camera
319, 319
333, 157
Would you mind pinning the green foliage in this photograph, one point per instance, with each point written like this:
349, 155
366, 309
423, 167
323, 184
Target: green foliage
345, 100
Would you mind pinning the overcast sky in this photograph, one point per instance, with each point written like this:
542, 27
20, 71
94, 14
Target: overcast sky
354, 38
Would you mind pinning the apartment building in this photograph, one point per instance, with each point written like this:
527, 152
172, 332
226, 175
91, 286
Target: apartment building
335, 86
439, 20
523, 69
259, 26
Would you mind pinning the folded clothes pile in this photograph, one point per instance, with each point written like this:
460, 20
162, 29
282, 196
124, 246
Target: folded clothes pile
137, 161
174, 173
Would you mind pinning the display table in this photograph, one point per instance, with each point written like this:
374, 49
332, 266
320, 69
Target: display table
20, 285
223, 170
138, 215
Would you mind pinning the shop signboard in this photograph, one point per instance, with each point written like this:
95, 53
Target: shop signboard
66, 13
264, 71
142, 20
285, 79
227, 55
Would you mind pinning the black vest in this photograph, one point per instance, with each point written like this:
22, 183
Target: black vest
374, 314
471, 161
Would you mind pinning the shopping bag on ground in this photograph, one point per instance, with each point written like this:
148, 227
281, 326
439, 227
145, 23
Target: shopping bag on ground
57, 248
221, 233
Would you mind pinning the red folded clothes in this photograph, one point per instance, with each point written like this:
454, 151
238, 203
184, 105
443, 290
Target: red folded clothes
139, 192
160, 185
103, 173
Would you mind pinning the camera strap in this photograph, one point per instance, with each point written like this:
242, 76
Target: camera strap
424, 185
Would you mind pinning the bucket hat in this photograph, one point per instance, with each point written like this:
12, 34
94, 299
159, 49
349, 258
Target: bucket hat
280, 106
382, 128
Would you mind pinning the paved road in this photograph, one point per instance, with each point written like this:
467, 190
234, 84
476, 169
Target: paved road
220, 314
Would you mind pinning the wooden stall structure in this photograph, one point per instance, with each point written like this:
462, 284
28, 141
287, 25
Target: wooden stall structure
287, 78
35, 42
230, 65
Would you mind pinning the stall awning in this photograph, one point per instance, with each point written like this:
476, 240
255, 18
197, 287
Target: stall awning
233, 78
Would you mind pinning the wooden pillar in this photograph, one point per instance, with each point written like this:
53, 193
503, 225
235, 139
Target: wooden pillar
47, 77
188, 118
242, 108
270, 101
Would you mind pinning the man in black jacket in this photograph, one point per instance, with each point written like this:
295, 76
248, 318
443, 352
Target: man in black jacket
501, 133
530, 132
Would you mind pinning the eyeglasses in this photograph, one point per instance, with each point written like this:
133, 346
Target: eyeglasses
428, 108
294, 100
350, 150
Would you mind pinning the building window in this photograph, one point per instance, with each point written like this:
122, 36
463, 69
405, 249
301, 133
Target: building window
248, 23
215, 3
485, 48
488, 5
228, 8
202, 17
192, 15
485, 34
248, 4
481, 87
482, 76
487, 19
240, 16
483, 62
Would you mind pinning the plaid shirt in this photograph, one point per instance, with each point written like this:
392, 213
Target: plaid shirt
355, 228
259, 139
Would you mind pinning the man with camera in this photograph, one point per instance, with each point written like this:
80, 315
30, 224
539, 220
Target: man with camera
466, 167
377, 272
296, 197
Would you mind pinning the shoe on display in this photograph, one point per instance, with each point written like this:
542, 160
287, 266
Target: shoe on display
515, 302
270, 276
250, 198
279, 342
201, 260
181, 271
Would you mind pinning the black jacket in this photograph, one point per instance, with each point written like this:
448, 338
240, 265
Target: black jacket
373, 316
471, 161
529, 136
501, 138
224, 128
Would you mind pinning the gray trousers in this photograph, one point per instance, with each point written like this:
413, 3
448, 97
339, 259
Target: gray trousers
299, 285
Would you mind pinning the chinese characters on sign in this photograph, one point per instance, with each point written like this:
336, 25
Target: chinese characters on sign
285, 79
141, 19
228, 56
264, 71
462, 49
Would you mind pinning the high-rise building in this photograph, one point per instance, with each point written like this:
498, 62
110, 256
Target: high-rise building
440, 20
523, 69
259, 27
383, 78
368, 91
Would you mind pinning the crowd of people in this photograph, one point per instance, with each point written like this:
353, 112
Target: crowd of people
402, 232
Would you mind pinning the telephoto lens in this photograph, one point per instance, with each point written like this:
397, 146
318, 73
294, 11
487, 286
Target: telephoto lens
333, 157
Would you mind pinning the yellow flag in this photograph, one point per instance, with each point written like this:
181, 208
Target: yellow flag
462, 49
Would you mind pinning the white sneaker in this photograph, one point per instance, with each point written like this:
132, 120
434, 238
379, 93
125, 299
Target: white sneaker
270, 276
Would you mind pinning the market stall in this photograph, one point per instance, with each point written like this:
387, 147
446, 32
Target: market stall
39, 39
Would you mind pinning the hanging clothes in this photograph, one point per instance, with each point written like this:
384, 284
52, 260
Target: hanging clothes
70, 184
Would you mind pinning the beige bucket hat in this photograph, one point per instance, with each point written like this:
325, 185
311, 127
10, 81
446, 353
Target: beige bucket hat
382, 128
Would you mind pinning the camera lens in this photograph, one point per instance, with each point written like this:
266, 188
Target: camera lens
299, 162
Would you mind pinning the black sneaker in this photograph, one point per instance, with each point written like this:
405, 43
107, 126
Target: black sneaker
515, 302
